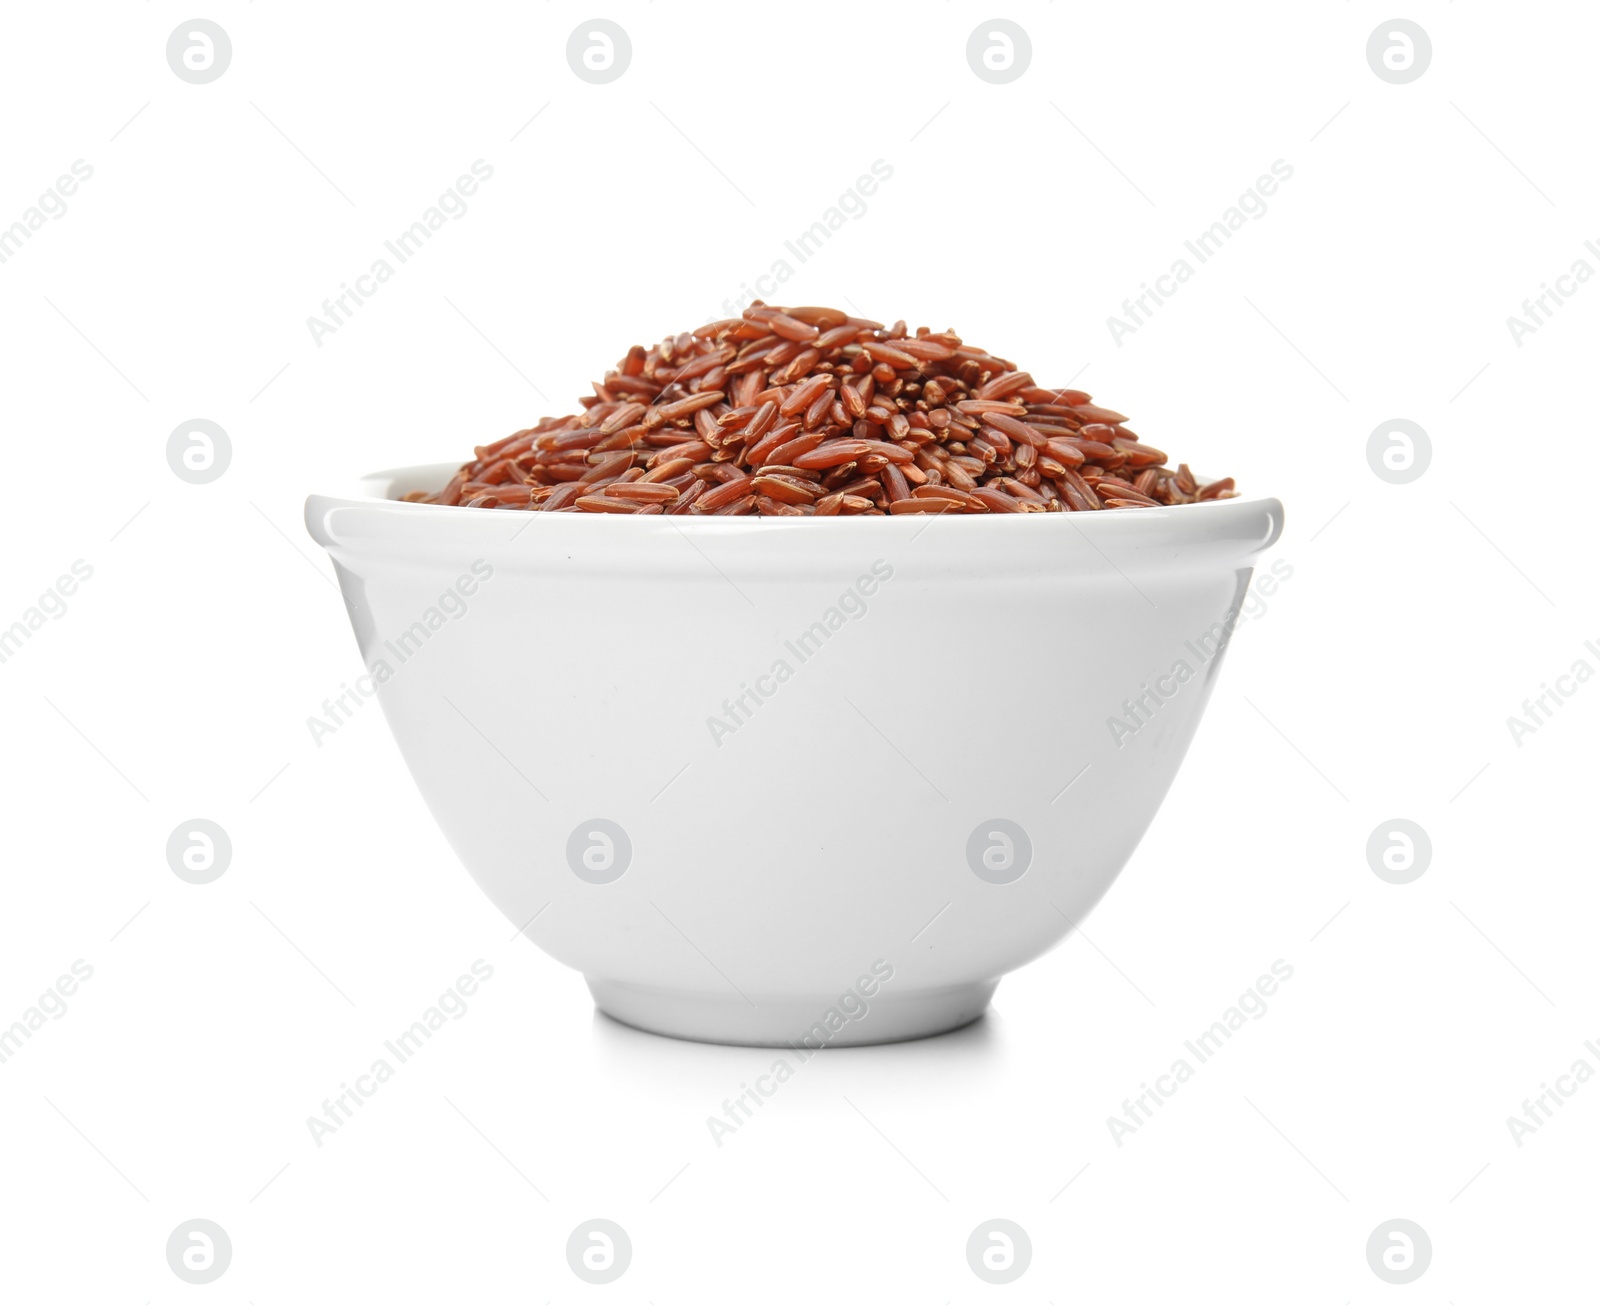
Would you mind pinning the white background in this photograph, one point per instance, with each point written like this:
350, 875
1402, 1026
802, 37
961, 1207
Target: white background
1375, 685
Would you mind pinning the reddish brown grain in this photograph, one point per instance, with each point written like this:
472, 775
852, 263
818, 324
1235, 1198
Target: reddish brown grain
813, 412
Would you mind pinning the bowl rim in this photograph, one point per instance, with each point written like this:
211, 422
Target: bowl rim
1256, 523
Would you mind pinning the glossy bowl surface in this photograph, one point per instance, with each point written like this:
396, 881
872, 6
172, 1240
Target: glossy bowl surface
787, 780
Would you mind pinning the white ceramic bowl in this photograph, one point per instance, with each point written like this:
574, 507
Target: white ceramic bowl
785, 780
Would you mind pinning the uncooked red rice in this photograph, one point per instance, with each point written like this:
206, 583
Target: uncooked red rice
812, 412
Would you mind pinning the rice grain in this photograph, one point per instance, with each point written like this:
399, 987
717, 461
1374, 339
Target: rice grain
810, 411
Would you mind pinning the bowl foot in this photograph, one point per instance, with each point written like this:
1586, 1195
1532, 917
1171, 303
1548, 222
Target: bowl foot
799, 1022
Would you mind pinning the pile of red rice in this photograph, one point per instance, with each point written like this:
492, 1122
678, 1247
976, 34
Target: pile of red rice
812, 412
